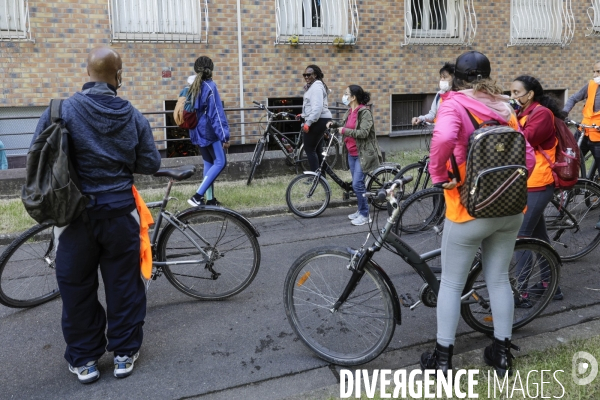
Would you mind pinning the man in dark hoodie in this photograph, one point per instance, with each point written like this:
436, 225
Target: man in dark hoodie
111, 141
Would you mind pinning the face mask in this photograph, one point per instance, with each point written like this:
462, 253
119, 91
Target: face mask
345, 100
597, 80
445, 86
515, 104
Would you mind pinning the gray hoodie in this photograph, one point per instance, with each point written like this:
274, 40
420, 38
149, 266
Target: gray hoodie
315, 104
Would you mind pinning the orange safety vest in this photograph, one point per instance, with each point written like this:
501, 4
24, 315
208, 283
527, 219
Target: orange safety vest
145, 222
438, 107
455, 211
589, 116
542, 174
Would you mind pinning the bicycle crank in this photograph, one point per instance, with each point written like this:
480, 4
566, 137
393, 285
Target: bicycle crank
427, 296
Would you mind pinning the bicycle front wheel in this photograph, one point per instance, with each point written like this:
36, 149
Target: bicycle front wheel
27, 269
420, 181
256, 158
377, 181
571, 218
360, 329
533, 274
307, 196
232, 250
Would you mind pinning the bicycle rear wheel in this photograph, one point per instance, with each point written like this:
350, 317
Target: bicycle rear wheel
571, 217
234, 254
27, 269
420, 181
307, 196
332, 156
360, 329
423, 211
377, 181
533, 273
256, 158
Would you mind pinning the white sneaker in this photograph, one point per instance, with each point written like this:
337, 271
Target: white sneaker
88, 373
355, 215
124, 365
361, 220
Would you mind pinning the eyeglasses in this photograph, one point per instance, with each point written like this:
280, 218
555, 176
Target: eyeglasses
307, 75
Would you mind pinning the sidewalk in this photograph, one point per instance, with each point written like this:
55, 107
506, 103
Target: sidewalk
324, 381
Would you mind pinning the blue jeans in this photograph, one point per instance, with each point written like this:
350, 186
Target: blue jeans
358, 185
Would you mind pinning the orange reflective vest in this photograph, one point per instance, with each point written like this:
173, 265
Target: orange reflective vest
455, 211
542, 174
145, 222
589, 116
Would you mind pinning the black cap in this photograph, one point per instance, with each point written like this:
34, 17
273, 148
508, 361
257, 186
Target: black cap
472, 66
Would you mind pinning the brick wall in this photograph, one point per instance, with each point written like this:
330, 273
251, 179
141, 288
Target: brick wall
64, 32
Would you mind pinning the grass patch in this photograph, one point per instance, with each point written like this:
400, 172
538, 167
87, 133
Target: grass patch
553, 359
267, 192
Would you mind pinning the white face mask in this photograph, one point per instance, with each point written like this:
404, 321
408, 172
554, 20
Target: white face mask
345, 100
445, 86
597, 80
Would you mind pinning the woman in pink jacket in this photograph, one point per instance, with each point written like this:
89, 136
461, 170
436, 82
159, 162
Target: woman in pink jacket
464, 235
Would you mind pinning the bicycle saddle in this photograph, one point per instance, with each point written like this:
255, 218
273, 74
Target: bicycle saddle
178, 174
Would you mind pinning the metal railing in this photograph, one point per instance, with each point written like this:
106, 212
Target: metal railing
541, 23
164, 129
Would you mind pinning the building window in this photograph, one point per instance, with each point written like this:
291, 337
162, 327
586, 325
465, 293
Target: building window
316, 21
541, 23
159, 20
17, 125
14, 20
404, 108
438, 22
594, 15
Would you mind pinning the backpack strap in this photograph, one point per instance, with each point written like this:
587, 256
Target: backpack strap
55, 109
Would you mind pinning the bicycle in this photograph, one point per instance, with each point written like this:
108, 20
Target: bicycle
344, 307
206, 252
420, 169
571, 217
309, 193
293, 150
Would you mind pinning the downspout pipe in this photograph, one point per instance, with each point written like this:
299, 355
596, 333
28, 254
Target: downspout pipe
241, 78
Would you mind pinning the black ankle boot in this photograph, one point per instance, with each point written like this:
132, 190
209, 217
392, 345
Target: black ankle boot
498, 355
441, 358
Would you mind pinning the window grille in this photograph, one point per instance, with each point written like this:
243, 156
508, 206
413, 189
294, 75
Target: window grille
316, 21
404, 108
594, 15
439, 22
14, 20
541, 23
159, 20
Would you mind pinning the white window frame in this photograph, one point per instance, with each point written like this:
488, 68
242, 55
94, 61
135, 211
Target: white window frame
338, 22
159, 20
541, 23
593, 13
458, 16
14, 20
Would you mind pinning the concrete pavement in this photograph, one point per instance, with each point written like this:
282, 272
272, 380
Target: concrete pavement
244, 347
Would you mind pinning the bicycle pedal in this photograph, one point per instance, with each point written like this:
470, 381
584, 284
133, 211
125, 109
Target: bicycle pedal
346, 196
406, 300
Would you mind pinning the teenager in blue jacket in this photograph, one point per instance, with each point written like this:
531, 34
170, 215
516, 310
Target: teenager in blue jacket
212, 131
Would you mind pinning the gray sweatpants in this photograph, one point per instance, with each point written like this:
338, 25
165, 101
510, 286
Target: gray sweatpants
460, 242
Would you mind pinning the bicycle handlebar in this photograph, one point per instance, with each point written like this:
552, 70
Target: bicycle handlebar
580, 125
271, 113
382, 193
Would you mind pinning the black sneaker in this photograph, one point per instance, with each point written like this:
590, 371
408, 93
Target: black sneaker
539, 288
196, 200
213, 202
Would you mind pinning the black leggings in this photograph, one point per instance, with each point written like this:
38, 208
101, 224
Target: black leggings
313, 143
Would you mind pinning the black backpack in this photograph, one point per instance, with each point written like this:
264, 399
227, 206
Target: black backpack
495, 184
52, 193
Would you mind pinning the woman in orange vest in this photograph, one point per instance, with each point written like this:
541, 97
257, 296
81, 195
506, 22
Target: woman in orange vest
463, 235
536, 112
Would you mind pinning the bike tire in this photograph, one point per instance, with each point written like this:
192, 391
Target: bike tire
27, 269
233, 249
378, 181
570, 219
360, 329
477, 311
256, 157
421, 179
423, 211
307, 195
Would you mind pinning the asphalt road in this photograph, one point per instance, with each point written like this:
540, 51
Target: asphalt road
216, 349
